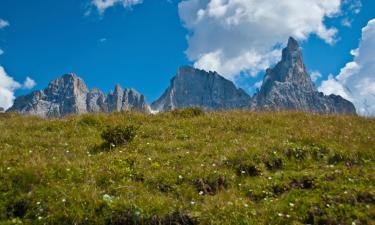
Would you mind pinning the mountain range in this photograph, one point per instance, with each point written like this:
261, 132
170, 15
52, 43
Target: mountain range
287, 86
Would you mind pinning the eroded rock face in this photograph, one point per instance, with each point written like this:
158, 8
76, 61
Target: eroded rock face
288, 86
70, 95
197, 88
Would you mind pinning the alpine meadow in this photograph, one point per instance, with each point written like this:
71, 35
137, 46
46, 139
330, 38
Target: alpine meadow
187, 112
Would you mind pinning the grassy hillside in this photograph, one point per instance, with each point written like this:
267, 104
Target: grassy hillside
185, 167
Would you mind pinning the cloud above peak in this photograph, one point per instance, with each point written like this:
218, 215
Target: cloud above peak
356, 81
102, 5
234, 36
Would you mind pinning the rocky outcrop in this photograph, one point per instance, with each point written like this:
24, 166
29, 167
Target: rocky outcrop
288, 86
197, 88
70, 95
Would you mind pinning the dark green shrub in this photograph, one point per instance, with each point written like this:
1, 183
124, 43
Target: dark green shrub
274, 163
188, 112
115, 136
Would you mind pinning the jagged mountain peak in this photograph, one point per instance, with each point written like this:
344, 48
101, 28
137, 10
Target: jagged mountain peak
193, 87
293, 44
118, 88
69, 94
288, 86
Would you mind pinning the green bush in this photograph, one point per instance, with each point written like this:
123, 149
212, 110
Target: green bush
116, 136
188, 112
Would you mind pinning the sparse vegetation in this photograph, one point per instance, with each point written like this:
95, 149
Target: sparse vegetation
188, 167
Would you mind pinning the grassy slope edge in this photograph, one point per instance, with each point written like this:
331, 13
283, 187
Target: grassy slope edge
181, 168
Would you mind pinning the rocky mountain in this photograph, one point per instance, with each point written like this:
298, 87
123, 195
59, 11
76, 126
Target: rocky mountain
197, 88
70, 95
288, 86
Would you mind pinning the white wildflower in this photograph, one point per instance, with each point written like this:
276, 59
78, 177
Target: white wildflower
107, 198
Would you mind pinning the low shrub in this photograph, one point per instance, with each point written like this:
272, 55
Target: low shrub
117, 136
188, 112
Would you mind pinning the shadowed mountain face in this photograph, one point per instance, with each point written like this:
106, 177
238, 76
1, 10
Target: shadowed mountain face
288, 86
70, 95
198, 88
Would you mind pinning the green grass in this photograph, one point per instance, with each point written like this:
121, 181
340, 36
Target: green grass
186, 167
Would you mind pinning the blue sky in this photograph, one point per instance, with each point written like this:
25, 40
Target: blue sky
142, 45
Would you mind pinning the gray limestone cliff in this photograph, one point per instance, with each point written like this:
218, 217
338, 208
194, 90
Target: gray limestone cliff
197, 88
70, 95
288, 86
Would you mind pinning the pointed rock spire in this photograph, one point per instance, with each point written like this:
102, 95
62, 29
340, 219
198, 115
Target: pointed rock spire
288, 86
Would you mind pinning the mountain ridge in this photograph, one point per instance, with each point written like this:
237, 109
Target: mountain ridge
286, 86
69, 94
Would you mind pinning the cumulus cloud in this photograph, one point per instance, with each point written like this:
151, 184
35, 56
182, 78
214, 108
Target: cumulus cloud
29, 83
102, 5
315, 75
3, 23
233, 36
8, 86
356, 81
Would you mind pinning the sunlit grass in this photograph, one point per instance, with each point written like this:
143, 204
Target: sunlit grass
189, 168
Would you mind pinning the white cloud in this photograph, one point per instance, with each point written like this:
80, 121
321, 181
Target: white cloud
258, 84
3, 23
233, 36
1, 51
7, 87
346, 22
102, 5
315, 75
29, 83
356, 81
